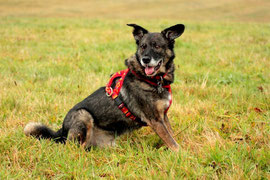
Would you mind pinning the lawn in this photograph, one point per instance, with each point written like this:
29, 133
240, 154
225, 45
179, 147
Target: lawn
53, 57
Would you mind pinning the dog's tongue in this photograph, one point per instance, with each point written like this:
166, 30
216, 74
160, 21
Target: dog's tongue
149, 70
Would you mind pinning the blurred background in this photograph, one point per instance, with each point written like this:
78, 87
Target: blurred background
195, 10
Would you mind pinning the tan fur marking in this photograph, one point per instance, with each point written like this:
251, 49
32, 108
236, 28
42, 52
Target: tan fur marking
162, 105
89, 133
102, 138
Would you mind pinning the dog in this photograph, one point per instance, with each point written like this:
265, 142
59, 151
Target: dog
136, 97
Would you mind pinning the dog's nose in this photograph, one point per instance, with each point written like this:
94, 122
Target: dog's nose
146, 59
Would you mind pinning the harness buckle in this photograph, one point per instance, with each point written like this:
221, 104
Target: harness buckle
109, 91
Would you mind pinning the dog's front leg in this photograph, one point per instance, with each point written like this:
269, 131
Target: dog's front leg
162, 131
168, 125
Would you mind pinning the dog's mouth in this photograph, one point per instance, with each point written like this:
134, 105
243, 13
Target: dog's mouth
151, 70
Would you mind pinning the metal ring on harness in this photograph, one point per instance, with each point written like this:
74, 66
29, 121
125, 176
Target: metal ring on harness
111, 91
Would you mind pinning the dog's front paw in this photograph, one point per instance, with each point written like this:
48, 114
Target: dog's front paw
175, 148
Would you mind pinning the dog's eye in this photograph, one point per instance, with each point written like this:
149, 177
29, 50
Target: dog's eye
143, 46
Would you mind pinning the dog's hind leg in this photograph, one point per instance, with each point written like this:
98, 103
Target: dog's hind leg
81, 123
82, 129
77, 133
96, 136
102, 138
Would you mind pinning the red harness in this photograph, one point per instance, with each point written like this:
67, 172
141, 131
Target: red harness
114, 93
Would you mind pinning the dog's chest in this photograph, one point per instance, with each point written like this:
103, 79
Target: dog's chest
164, 103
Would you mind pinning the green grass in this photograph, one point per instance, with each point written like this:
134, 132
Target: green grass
220, 110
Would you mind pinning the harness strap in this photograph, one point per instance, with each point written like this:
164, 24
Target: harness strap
120, 104
170, 103
151, 82
114, 93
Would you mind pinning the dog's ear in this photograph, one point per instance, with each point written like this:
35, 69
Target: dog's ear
138, 32
173, 32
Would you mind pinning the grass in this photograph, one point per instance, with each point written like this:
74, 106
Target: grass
221, 97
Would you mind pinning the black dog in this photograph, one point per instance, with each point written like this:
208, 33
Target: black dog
133, 98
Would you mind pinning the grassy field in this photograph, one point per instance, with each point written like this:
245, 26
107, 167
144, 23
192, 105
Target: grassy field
53, 56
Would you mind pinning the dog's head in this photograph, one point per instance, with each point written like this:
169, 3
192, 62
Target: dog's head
155, 50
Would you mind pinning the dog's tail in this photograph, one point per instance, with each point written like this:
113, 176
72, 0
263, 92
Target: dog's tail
41, 131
